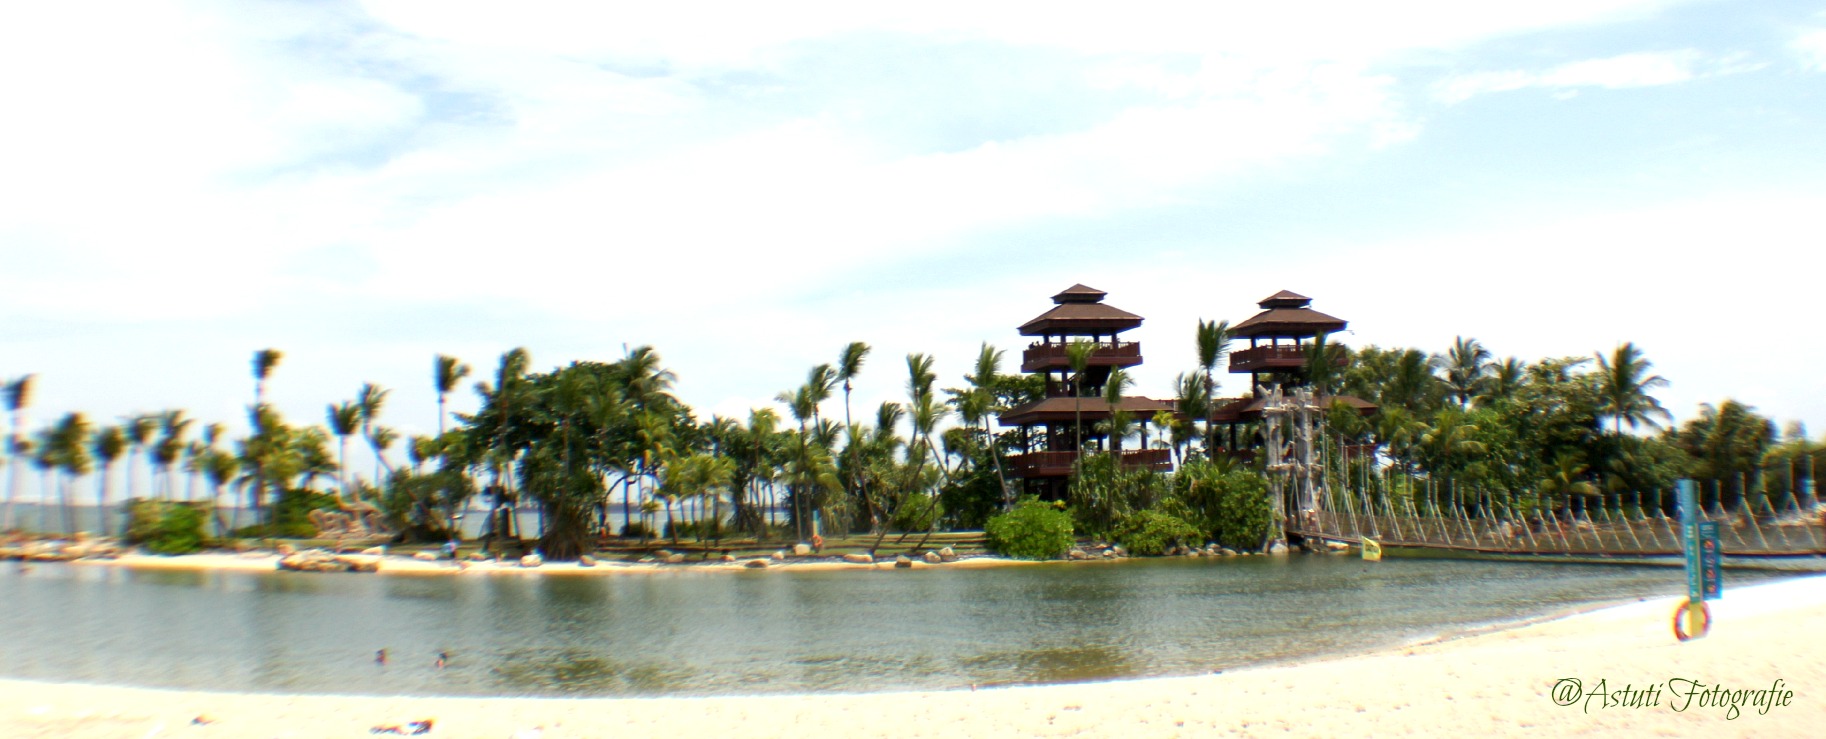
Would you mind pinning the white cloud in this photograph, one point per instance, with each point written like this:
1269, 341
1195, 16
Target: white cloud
1811, 48
1641, 69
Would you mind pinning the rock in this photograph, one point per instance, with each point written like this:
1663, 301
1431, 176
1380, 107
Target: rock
728, 558
781, 554
933, 558
358, 563
1109, 554
755, 564
1227, 551
1077, 554
802, 550
370, 551
1194, 553
478, 557
1120, 552
861, 559
663, 554
285, 549
1277, 548
947, 554
1337, 546
647, 560
902, 560
674, 558
532, 560
586, 561
425, 556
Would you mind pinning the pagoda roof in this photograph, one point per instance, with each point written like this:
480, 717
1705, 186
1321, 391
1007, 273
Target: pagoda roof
1286, 314
1068, 409
1080, 310
1249, 409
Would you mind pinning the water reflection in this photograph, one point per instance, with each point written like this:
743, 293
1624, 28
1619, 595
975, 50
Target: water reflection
777, 631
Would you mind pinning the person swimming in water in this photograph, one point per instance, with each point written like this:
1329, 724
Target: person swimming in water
380, 657
443, 658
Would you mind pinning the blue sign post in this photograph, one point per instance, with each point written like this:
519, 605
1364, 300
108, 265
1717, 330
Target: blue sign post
1693, 619
1711, 573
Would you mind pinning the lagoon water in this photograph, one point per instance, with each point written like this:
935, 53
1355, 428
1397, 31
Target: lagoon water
704, 633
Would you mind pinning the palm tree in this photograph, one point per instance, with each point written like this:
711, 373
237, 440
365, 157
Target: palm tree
1322, 360
1119, 422
1213, 343
345, 420
982, 388
110, 443
172, 428
849, 364
68, 450
220, 468
18, 395
1078, 356
1623, 383
447, 372
1467, 363
264, 362
140, 430
1504, 380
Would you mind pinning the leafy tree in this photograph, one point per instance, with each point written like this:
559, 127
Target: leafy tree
1228, 505
18, 392
1154, 532
1213, 344
447, 373
1467, 366
1727, 443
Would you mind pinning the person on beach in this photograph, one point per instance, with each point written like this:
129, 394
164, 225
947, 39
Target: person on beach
380, 657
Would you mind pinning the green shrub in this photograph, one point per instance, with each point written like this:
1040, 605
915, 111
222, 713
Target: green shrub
167, 527
918, 513
1103, 492
1033, 530
1231, 506
1154, 531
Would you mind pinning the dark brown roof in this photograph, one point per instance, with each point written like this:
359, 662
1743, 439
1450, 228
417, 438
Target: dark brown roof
1080, 310
1249, 409
1065, 410
1079, 293
1285, 299
1287, 314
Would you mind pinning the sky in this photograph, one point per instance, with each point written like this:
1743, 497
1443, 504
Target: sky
748, 187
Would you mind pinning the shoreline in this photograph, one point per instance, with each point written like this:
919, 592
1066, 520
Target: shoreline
391, 564
1499, 681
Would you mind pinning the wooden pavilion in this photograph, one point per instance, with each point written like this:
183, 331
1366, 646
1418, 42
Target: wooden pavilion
1072, 416
1280, 339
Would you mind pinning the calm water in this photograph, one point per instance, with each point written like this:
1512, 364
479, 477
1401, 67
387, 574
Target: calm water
721, 633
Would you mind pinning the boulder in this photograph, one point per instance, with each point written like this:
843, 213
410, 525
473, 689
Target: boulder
1277, 548
370, 551
674, 558
1109, 554
478, 557
756, 564
425, 556
933, 558
586, 561
357, 563
861, 559
728, 558
285, 549
647, 560
532, 560
902, 560
663, 554
802, 550
1077, 554
947, 554
1120, 552
1227, 551
781, 554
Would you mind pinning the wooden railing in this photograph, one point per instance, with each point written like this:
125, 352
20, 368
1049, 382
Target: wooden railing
1040, 355
1039, 464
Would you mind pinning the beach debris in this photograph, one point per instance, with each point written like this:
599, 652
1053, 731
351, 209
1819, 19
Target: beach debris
323, 560
532, 560
859, 559
948, 554
802, 549
933, 558
755, 564
586, 561
202, 720
903, 561
410, 728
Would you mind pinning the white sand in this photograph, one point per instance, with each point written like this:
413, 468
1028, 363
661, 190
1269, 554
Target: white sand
1498, 683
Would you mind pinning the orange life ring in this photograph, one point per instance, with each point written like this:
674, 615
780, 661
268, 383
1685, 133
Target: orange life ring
1701, 619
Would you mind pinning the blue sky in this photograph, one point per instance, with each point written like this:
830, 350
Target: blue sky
748, 187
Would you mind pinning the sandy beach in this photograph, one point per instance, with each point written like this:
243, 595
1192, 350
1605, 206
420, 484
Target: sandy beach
399, 565
1506, 682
